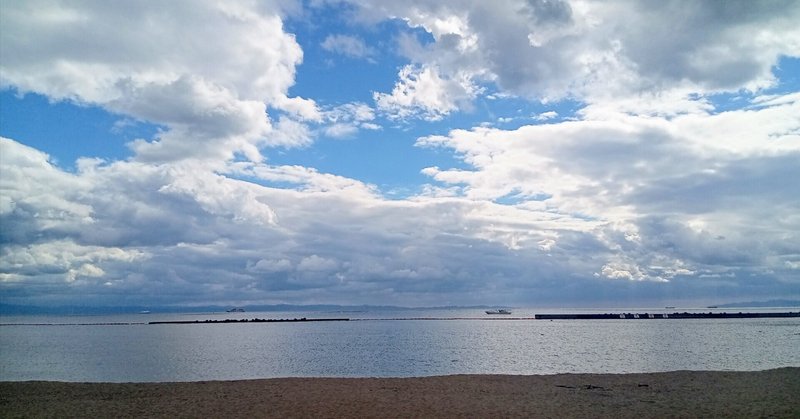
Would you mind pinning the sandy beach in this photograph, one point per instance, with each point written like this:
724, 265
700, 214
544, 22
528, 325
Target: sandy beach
772, 393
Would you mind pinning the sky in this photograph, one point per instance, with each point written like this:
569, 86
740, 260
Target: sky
539, 153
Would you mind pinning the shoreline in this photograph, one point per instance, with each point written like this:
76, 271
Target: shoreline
678, 394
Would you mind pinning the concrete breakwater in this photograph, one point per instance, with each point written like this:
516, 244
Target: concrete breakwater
256, 320
683, 315
560, 316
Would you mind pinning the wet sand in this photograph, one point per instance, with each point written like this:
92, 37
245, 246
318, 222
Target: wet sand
772, 393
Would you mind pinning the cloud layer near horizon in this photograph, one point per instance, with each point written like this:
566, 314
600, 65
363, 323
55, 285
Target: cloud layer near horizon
648, 194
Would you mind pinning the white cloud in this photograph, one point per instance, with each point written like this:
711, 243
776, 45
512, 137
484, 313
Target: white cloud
206, 70
303, 108
544, 116
643, 179
63, 261
219, 196
176, 234
371, 126
422, 93
205, 121
307, 179
289, 132
210, 237
347, 45
355, 111
596, 50
617, 270
346, 120
37, 197
341, 130
648, 183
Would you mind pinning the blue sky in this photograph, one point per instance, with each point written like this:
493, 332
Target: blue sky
527, 152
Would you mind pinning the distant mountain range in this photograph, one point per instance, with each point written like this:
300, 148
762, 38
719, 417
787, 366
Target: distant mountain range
11, 309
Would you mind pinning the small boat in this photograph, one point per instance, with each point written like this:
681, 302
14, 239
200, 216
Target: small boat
236, 310
498, 311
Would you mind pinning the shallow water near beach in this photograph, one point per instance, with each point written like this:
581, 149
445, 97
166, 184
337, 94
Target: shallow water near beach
124, 348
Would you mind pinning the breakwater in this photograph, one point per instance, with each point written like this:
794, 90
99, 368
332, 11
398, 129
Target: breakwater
256, 320
683, 315
560, 316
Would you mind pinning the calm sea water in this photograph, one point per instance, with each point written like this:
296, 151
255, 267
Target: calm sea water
79, 349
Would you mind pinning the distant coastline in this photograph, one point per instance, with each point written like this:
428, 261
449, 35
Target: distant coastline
761, 304
68, 310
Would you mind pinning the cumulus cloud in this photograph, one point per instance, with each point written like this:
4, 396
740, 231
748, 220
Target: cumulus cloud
153, 234
544, 116
36, 198
175, 234
595, 51
422, 93
648, 192
673, 196
341, 130
289, 132
205, 70
63, 261
346, 120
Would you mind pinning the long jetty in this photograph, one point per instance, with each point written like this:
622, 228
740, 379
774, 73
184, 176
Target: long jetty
302, 319
560, 316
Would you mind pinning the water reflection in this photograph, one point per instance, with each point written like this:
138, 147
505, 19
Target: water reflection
391, 348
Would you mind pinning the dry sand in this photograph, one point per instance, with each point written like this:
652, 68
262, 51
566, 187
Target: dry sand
773, 393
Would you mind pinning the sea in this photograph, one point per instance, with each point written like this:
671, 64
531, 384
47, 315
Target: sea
383, 343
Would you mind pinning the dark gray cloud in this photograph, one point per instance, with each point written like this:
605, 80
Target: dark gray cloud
547, 12
735, 183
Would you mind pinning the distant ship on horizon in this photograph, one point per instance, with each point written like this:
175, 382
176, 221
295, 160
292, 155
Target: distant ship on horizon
236, 310
498, 311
